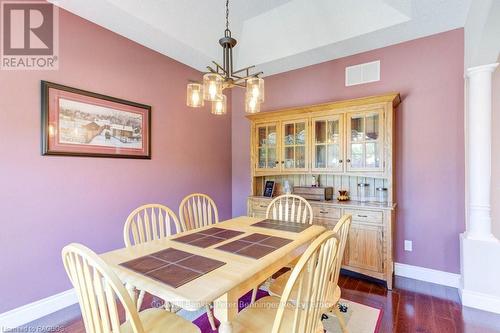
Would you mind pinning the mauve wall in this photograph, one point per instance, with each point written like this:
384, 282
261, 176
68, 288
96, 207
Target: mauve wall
428, 73
495, 165
48, 202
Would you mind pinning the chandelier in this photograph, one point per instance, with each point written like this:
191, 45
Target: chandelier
223, 77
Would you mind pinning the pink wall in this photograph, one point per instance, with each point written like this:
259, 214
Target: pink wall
428, 73
48, 202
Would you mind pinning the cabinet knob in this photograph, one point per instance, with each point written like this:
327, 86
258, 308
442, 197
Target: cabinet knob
277, 162
348, 161
340, 161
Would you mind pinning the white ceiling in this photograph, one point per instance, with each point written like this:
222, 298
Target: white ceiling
275, 35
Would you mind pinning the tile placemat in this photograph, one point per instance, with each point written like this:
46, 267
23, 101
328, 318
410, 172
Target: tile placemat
173, 267
208, 237
255, 245
282, 225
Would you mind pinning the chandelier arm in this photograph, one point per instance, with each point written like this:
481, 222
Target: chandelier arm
243, 69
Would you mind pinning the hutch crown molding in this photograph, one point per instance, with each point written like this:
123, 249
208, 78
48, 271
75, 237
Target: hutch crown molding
345, 144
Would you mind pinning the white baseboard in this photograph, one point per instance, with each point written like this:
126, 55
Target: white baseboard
428, 275
480, 301
36, 310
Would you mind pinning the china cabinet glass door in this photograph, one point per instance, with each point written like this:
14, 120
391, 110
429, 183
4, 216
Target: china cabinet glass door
365, 141
294, 143
266, 147
327, 143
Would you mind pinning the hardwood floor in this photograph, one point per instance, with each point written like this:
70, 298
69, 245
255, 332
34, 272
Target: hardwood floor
412, 306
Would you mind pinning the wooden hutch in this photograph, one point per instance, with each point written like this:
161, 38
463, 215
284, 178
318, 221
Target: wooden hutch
344, 143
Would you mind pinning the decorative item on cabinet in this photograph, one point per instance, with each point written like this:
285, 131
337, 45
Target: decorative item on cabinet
343, 195
269, 189
314, 193
381, 194
363, 192
286, 187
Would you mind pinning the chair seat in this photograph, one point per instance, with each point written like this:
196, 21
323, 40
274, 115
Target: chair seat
259, 317
161, 321
278, 286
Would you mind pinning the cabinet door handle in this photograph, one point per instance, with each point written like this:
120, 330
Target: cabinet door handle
262, 206
365, 216
323, 212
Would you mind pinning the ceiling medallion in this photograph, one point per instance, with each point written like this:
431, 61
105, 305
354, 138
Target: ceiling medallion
222, 77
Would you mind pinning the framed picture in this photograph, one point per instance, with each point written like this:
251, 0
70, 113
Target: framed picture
269, 189
81, 123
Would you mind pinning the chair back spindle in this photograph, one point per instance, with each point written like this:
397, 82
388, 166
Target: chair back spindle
98, 290
148, 223
290, 208
310, 277
197, 210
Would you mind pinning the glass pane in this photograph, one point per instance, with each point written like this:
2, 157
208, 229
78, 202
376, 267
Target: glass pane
372, 127
271, 136
357, 129
289, 158
333, 156
357, 155
262, 136
300, 157
333, 131
372, 157
262, 157
320, 131
320, 156
271, 158
289, 134
300, 133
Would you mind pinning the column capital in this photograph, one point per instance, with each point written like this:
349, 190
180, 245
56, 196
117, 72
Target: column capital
484, 68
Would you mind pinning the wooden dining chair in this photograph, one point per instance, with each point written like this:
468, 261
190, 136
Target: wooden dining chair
341, 229
197, 210
290, 208
310, 279
147, 223
100, 291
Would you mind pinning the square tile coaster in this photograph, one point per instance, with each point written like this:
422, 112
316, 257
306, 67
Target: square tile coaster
144, 264
256, 251
200, 264
206, 241
174, 275
209, 237
282, 225
171, 255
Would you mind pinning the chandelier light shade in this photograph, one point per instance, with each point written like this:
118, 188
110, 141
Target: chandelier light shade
219, 106
252, 104
195, 95
255, 88
223, 77
212, 86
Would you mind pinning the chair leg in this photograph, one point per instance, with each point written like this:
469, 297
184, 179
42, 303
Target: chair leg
211, 318
140, 298
254, 295
340, 317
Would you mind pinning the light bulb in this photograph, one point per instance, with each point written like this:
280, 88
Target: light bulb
194, 95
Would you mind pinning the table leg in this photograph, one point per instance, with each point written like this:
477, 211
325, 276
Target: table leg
225, 310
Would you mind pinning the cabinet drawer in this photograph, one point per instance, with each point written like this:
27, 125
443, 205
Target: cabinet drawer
260, 204
365, 215
325, 212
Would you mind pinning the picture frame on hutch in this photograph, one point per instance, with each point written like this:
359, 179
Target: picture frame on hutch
77, 122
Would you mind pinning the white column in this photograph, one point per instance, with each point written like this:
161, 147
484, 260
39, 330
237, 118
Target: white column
479, 152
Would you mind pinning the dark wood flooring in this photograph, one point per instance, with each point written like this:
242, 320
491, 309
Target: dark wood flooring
412, 306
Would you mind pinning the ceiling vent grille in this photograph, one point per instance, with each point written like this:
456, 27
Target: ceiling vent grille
362, 73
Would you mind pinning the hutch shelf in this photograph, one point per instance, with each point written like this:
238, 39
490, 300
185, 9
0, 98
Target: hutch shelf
344, 144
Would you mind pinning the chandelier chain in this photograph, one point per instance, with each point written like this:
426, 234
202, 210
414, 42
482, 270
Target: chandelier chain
227, 14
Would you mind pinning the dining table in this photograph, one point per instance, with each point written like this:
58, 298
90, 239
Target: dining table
236, 272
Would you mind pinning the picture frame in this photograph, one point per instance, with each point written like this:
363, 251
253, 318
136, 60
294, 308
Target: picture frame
269, 189
77, 122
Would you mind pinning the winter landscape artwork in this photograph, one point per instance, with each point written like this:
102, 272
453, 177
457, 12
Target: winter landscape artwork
81, 123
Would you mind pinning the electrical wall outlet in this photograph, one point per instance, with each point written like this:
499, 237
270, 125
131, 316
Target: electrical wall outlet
408, 245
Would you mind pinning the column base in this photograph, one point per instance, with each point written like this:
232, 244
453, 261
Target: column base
480, 273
